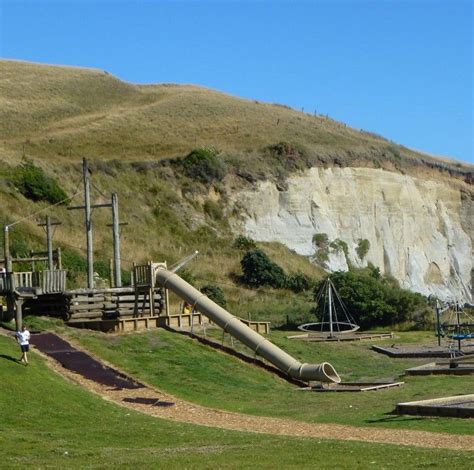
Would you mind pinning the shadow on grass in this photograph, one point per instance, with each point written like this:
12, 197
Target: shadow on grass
148, 401
393, 418
9, 358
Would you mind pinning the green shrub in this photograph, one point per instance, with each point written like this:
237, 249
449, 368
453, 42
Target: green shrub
374, 302
187, 275
321, 240
299, 282
74, 263
215, 293
243, 243
203, 165
259, 270
102, 268
363, 247
340, 245
322, 256
34, 184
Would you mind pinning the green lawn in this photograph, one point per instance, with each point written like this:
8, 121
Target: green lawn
189, 370
48, 422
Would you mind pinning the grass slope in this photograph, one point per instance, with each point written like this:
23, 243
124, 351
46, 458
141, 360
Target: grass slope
197, 373
49, 422
67, 112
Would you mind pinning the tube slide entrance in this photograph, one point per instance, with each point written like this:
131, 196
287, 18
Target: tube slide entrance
323, 372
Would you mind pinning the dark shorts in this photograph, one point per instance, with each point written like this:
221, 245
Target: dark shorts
25, 347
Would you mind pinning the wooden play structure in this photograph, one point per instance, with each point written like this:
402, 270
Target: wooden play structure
43, 290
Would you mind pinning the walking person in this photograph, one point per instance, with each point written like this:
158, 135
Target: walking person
23, 338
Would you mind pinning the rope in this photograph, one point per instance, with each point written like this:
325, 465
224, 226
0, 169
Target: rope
43, 209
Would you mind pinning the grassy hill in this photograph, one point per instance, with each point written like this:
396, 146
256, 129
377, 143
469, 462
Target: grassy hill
136, 138
64, 113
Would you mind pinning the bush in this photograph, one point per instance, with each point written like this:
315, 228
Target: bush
74, 263
203, 165
374, 302
363, 247
243, 243
340, 245
292, 157
215, 294
187, 275
34, 184
298, 282
102, 268
259, 270
321, 240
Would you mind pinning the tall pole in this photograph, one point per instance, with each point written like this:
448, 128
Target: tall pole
438, 322
116, 236
330, 310
458, 320
6, 247
49, 242
88, 223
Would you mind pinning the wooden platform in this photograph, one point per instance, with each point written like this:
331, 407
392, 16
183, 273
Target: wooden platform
461, 406
465, 366
421, 350
353, 387
323, 337
118, 325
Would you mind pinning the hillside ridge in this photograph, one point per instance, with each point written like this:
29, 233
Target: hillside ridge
63, 112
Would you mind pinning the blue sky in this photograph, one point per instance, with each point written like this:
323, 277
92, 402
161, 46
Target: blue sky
403, 69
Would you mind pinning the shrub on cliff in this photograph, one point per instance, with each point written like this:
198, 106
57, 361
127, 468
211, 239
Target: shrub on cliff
34, 184
203, 165
363, 247
244, 243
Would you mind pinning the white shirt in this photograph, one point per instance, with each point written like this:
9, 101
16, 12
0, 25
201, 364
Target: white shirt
24, 337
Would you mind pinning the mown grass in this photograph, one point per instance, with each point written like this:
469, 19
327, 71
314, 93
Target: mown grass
48, 422
185, 368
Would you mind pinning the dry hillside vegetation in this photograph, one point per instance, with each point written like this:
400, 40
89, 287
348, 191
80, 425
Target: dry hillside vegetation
136, 138
65, 113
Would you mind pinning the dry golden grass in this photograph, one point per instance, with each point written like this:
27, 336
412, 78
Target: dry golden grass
64, 113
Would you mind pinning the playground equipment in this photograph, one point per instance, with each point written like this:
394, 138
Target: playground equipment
335, 319
458, 326
324, 372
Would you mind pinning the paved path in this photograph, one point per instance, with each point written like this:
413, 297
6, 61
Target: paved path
125, 391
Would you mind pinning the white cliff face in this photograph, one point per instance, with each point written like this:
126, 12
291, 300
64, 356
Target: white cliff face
413, 226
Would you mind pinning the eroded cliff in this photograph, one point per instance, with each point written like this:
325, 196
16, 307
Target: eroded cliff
418, 230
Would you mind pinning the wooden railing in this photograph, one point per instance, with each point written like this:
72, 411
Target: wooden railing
5, 283
23, 279
48, 281
144, 275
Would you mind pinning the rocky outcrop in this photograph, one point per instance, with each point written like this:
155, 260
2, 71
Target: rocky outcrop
419, 231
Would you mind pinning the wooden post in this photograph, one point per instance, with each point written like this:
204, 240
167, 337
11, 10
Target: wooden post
19, 314
116, 237
59, 260
49, 242
88, 225
6, 247
111, 273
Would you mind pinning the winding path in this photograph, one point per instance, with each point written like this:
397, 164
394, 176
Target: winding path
81, 367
